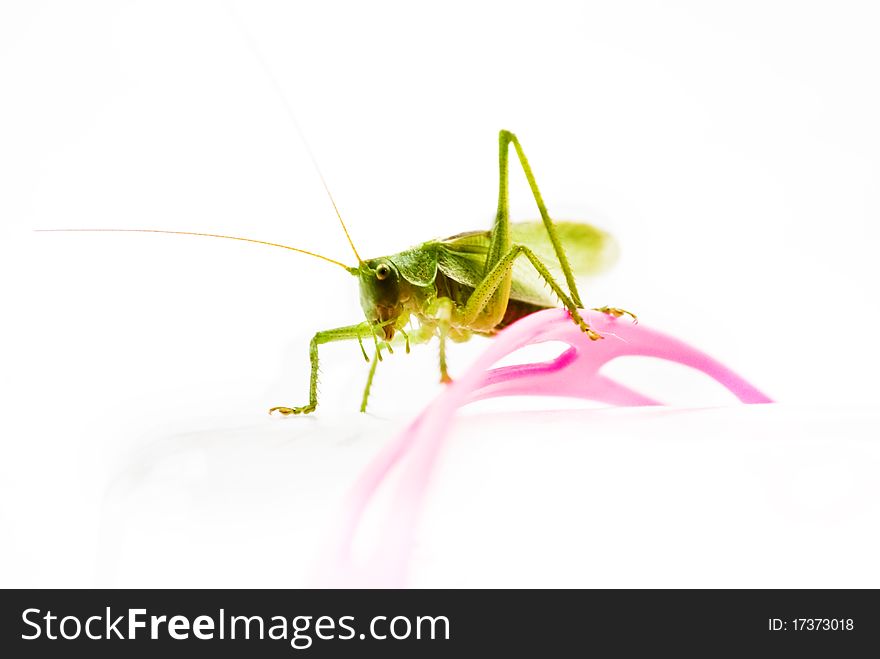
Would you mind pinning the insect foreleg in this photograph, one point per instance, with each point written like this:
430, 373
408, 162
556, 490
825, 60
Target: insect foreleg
483, 293
326, 336
370, 375
503, 242
406, 338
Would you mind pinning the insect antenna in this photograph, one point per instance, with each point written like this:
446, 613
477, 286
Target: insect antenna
332, 201
258, 55
208, 235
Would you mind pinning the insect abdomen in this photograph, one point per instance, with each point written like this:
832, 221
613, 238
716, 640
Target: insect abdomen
517, 309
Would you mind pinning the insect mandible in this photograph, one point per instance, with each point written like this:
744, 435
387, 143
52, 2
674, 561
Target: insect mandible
476, 282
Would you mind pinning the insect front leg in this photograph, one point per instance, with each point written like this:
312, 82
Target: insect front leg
422, 335
351, 332
484, 293
375, 362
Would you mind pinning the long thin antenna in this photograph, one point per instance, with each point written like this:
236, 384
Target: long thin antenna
251, 44
209, 235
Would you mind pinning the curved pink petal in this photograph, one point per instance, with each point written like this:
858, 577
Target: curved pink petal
574, 373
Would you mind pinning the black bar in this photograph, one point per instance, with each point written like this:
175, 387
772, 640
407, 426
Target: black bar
524, 622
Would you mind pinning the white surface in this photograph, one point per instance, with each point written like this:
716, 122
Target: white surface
764, 496
732, 150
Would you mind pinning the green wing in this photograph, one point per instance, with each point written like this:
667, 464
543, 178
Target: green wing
589, 250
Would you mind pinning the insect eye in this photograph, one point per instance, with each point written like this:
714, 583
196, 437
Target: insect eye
382, 271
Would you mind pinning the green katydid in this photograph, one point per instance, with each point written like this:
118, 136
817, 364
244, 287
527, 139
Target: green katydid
471, 283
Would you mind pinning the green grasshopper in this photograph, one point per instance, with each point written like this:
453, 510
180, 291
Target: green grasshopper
472, 283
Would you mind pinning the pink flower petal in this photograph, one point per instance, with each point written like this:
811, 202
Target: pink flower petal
575, 373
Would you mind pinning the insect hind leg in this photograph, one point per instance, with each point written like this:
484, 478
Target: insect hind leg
617, 312
501, 230
482, 294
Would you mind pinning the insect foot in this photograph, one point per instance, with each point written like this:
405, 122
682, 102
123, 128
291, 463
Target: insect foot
617, 313
586, 329
287, 411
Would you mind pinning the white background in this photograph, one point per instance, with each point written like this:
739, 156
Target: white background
732, 149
